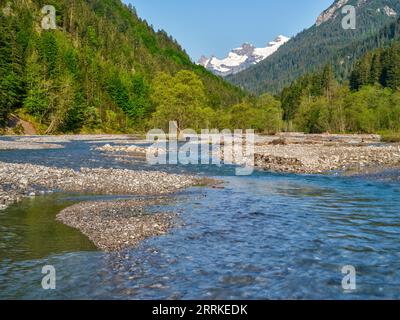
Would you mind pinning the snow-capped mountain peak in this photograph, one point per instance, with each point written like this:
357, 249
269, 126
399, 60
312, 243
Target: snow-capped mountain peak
241, 58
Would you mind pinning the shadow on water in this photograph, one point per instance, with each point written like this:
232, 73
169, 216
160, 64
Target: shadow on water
29, 230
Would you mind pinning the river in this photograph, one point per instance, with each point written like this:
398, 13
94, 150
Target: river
266, 236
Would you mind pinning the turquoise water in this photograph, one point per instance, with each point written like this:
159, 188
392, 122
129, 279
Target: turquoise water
267, 236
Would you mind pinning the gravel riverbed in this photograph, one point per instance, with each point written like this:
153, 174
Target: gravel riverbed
22, 180
27, 145
116, 225
318, 154
306, 154
110, 225
311, 159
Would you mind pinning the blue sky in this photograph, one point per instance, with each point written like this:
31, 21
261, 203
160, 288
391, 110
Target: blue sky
217, 26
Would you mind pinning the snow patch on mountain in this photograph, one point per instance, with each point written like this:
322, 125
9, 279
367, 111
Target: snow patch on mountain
241, 58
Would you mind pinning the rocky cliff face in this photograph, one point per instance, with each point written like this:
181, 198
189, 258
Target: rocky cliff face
331, 12
334, 11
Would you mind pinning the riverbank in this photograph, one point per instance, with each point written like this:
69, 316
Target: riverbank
24, 180
319, 154
308, 154
114, 225
110, 225
56, 142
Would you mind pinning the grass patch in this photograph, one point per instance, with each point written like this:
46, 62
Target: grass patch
391, 137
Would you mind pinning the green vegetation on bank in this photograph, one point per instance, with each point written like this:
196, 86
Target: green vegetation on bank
368, 102
183, 98
391, 137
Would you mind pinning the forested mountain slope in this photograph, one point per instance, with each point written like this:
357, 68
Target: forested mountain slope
325, 42
95, 72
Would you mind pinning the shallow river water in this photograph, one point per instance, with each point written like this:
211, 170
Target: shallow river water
266, 236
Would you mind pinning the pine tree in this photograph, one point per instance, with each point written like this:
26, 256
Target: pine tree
36, 101
62, 102
49, 52
11, 67
360, 76
392, 67
328, 80
376, 67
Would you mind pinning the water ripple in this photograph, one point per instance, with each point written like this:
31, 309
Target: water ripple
268, 236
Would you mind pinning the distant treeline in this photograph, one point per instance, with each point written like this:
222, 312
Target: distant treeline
369, 101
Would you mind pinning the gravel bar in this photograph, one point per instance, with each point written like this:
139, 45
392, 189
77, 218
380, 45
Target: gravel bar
117, 225
22, 145
325, 153
23, 180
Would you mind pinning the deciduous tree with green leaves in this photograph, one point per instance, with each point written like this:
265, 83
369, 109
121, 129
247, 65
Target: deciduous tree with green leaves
179, 98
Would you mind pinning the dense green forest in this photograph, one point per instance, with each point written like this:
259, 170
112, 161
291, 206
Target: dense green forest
368, 102
97, 72
321, 44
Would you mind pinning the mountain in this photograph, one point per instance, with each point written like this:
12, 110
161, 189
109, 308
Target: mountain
324, 42
95, 72
242, 58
